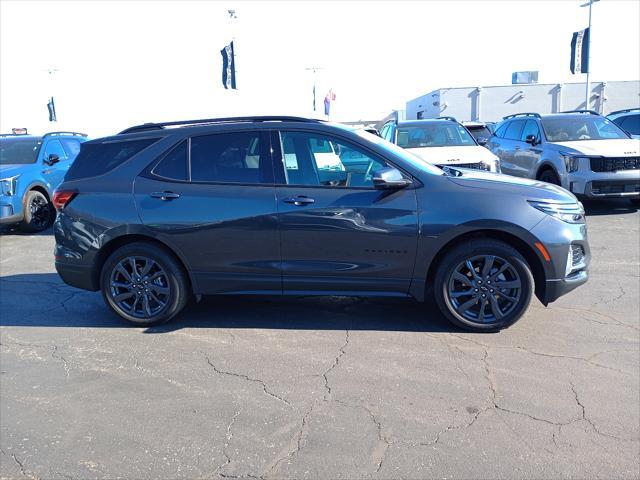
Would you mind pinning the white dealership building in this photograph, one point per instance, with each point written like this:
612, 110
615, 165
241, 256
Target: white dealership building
491, 103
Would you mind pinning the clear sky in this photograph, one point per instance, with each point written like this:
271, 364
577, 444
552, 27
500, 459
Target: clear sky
123, 62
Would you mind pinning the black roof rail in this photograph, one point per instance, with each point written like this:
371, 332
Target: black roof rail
590, 112
208, 121
624, 110
523, 114
54, 134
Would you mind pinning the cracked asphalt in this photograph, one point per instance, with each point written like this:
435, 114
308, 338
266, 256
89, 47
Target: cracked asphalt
321, 387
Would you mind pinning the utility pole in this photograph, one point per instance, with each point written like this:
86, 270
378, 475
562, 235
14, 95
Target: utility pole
314, 70
588, 89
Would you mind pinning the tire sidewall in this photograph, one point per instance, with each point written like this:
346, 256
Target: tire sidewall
27, 224
175, 277
498, 249
549, 176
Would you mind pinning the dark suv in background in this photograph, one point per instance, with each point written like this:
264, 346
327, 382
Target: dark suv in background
285, 205
580, 150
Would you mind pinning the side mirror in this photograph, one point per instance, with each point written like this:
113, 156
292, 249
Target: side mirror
52, 159
389, 178
532, 140
482, 141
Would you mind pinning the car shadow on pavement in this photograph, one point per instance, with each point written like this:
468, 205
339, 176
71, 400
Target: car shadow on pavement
14, 230
608, 207
58, 305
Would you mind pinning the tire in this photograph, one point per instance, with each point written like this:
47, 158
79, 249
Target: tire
481, 315
549, 176
39, 214
167, 290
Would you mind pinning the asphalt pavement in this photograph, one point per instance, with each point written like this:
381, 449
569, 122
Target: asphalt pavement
246, 387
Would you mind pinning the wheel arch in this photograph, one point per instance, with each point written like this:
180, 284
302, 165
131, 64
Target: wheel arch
547, 165
527, 251
120, 241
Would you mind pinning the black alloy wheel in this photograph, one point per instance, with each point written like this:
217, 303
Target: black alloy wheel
483, 285
144, 284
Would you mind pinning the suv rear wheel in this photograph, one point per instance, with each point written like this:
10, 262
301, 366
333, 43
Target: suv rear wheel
483, 285
38, 212
144, 284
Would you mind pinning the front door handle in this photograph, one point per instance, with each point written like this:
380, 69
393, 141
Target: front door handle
299, 200
165, 195
517, 147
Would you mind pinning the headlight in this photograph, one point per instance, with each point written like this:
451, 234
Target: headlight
567, 212
491, 165
8, 185
571, 163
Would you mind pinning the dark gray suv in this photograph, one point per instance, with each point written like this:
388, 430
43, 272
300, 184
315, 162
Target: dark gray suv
162, 213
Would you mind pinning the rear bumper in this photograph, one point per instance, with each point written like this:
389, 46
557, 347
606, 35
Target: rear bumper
80, 276
557, 288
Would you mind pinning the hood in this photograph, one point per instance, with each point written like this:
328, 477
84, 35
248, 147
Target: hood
620, 147
7, 171
532, 189
454, 155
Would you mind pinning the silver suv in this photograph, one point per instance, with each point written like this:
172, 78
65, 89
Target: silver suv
580, 150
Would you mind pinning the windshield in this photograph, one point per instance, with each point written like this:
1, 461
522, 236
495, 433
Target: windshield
405, 155
434, 135
580, 127
18, 151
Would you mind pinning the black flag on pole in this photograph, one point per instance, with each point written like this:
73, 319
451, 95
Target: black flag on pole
580, 52
228, 67
52, 110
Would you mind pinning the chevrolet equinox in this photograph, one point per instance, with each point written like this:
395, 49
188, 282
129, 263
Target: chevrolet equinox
165, 212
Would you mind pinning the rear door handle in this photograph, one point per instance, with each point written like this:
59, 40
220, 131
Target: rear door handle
517, 147
165, 195
299, 200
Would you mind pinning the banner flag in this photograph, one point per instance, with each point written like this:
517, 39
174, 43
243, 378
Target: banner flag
580, 52
52, 110
328, 98
228, 67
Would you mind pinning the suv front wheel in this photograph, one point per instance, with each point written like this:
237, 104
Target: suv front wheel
483, 285
144, 284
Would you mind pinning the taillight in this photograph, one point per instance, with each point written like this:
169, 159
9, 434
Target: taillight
62, 197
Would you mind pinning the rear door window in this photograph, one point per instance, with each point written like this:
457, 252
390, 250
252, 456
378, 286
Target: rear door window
501, 129
174, 164
99, 158
237, 157
514, 130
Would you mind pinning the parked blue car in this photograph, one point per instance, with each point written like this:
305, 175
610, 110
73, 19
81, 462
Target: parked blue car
31, 167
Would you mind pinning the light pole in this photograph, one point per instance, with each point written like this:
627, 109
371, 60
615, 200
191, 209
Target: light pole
588, 90
314, 70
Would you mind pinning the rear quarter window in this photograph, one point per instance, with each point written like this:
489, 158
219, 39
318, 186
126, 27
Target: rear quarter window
99, 158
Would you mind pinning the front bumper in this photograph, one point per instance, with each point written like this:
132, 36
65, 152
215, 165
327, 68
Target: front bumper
8, 214
554, 289
620, 184
562, 275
